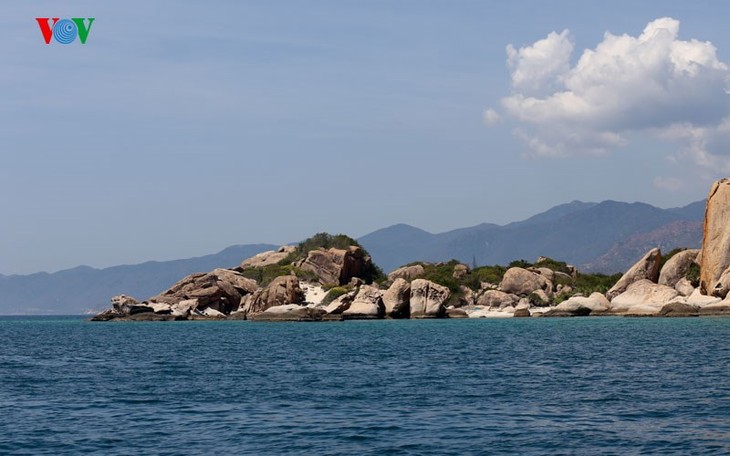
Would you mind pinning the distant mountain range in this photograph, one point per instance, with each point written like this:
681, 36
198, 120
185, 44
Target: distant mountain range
83, 289
600, 237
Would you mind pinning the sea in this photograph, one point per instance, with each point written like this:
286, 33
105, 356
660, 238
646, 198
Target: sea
563, 386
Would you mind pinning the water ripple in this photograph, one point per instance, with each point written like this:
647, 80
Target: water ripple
542, 386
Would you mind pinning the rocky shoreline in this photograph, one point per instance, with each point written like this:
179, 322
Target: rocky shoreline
331, 278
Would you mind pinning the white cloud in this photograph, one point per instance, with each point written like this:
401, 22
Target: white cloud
538, 69
653, 83
491, 117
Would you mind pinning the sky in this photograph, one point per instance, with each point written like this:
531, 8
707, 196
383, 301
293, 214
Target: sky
183, 127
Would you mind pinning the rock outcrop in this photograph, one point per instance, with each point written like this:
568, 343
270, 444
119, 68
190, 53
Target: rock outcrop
643, 297
409, 273
522, 282
684, 287
456, 313
715, 259
496, 298
288, 312
340, 304
124, 303
268, 258
460, 270
368, 304
220, 289
337, 266
282, 290
679, 309
596, 302
428, 299
676, 268
397, 299
647, 268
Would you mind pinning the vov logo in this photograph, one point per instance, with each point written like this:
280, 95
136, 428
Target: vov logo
65, 31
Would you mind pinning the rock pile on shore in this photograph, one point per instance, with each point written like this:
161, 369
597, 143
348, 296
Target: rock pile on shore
320, 281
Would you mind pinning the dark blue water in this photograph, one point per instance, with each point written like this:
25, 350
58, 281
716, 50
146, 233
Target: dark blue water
523, 386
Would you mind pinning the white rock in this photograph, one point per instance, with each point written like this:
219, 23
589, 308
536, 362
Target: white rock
211, 312
183, 308
698, 299
486, 313
597, 302
646, 268
641, 297
684, 287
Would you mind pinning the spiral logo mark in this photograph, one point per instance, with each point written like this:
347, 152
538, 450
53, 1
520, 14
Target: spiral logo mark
65, 31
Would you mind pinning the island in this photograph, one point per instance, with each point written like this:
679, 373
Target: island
332, 278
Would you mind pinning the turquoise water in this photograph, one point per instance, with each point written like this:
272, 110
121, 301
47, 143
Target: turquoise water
524, 386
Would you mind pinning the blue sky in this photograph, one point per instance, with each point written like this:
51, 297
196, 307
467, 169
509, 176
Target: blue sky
183, 127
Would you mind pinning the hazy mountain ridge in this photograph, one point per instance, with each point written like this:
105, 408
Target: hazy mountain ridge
576, 232
77, 290
682, 233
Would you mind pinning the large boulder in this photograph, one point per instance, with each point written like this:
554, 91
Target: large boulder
460, 270
368, 304
676, 267
521, 313
548, 273
407, 273
679, 309
397, 299
456, 313
647, 268
340, 304
642, 298
576, 311
282, 290
467, 297
539, 298
698, 299
123, 303
684, 287
268, 258
715, 258
220, 289
490, 313
496, 298
596, 302
288, 312
184, 309
337, 266
522, 282
428, 299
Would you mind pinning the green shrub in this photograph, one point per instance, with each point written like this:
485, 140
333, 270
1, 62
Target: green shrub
265, 275
590, 283
491, 274
520, 264
693, 274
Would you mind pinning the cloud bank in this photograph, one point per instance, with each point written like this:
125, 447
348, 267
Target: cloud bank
653, 83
